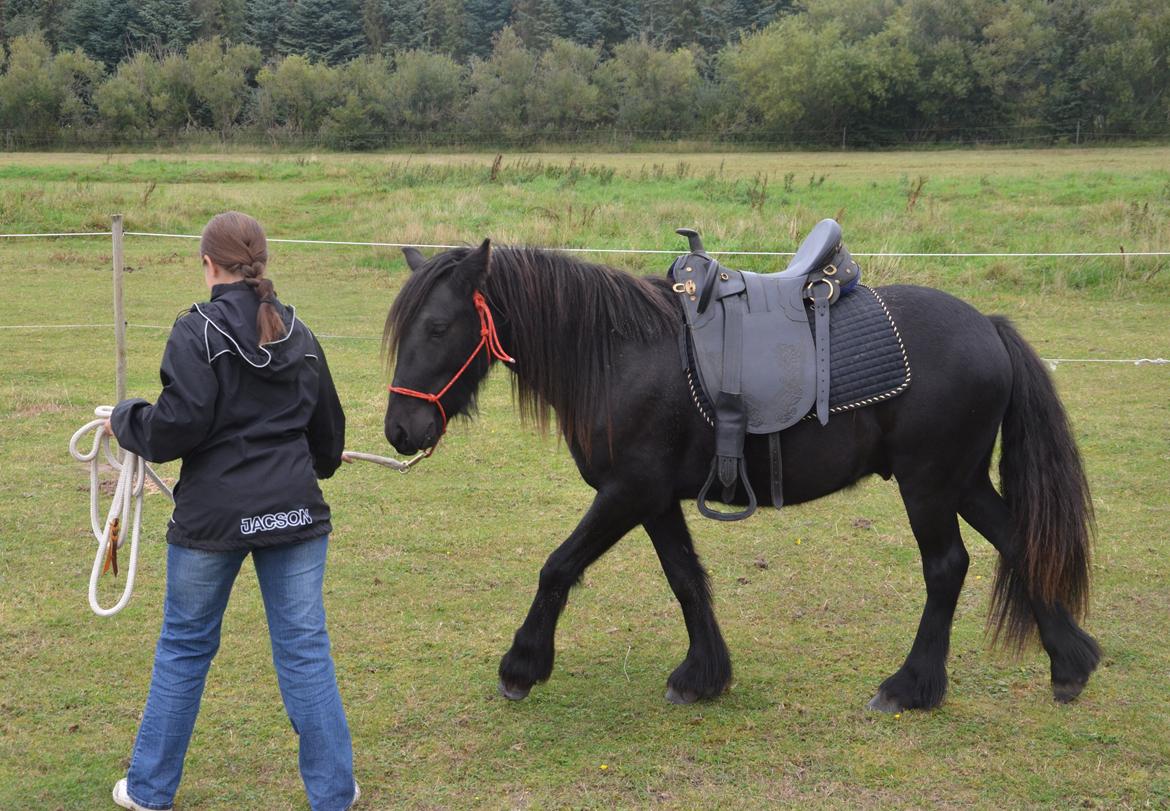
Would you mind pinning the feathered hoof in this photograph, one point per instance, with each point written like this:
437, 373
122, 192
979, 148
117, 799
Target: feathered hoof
681, 696
883, 703
1065, 692
514, 692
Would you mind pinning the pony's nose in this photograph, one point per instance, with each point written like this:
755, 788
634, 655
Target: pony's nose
410, 427
396, 436
430, 437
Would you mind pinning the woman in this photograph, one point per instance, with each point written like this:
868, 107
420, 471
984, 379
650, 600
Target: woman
249, 406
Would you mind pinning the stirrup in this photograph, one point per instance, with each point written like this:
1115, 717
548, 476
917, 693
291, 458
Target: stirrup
701, 499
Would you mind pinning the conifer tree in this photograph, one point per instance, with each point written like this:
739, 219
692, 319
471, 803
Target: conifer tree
740, 14
225, 19
394, 25
265, 24
163, 25
445, 27
618, 21
758, 15
485, 19
683, 24
52, 18
101, 28
535, 22
373, 25
580, 21
406, 24
715, 30
1066, 102
327, 31
655, 19
21, 17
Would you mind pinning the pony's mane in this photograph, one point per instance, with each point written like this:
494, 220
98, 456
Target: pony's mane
564, 319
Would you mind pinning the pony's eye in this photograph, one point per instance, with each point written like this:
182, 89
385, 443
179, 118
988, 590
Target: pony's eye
437, 329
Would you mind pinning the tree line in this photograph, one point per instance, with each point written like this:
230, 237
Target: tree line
337, 31
361, 74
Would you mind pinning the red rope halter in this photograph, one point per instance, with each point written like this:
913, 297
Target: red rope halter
488, 337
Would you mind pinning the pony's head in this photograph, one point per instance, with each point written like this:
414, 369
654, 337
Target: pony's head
566, 321
431, 338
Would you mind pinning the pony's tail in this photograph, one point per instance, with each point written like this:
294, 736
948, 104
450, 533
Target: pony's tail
1044, 484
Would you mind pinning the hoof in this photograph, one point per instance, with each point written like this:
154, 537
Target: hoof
681, 696
1065, 692
882, 703
513, 692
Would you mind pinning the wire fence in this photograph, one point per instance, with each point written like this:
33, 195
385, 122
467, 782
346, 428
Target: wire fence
1052, 362
54, 236
665, 252
468, 138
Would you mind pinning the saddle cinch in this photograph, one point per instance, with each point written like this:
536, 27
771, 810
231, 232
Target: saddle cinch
749, 341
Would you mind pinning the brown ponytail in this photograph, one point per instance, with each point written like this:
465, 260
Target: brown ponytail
236, 243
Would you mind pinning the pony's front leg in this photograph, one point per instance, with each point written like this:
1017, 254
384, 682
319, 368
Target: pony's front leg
614, 512
706, 672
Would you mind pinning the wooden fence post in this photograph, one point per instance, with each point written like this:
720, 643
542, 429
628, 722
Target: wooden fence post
119, 312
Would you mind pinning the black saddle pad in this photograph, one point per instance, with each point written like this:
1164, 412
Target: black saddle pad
867, 360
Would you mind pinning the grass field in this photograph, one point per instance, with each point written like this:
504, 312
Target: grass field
431, 573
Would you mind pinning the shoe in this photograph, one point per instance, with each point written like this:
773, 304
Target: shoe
122, 798
357, 794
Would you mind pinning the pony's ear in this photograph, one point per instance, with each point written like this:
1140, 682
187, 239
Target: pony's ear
476, 265
414, 259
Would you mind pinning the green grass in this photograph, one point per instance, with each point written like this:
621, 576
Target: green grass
431, 573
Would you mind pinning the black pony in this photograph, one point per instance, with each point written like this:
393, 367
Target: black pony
600, 349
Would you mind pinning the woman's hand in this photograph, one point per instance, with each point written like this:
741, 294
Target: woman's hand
345, 457
108, 429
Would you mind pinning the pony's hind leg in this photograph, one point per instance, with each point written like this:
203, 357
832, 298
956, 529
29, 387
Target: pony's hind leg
921, 681
706, 671
1073, 653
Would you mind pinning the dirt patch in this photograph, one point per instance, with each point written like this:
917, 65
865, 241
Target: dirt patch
37, 409
152, 488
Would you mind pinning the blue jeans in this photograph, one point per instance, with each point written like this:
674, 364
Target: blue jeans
198, 585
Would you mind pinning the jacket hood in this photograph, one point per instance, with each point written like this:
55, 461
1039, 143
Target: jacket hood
229, 327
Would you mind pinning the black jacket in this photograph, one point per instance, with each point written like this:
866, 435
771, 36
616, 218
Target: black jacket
255, 426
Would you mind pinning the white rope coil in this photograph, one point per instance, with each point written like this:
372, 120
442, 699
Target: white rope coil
132, 473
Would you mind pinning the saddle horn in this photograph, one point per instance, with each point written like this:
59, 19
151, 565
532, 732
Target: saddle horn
693, 238
696, 245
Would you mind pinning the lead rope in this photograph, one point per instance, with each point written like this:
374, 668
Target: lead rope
111, 536
385, 461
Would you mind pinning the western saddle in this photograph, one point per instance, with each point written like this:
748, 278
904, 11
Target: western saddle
749, 341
